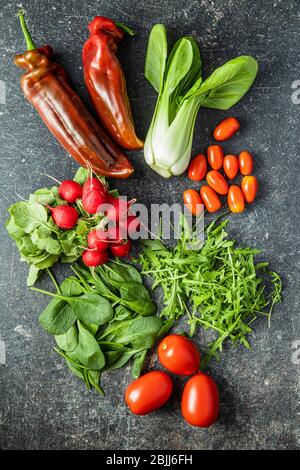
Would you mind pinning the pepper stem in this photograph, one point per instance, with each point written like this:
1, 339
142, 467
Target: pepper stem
29, 43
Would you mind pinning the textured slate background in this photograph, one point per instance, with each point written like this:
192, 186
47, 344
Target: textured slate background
42, 405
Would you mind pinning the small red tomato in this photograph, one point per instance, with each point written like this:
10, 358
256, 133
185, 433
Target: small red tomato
231, 166
179, 355
217, 182
98, 239
249, 187
93, 258
121, 250
197, 168
226, 129
236, 200
70, 191
215, 156
245, 162
193, 201
210, 199
149, 392
200, 401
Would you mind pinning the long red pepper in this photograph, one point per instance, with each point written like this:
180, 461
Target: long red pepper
47, 88
106, 84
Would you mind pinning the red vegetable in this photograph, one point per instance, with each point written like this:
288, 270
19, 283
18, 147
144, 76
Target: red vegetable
70, 191
226, 129
245, 162
92, 200
179, 355
93, 258
217, 182
94, 183
249, 187
65, 217
215, 156
98, 239
197, 168
210, 199
231, 166
115, 235
193, 201
121, 250
200, 401
148, 393
236, 201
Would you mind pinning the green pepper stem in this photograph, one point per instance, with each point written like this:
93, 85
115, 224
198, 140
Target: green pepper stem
29, 43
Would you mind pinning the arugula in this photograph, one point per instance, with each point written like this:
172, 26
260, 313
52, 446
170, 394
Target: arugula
219, 287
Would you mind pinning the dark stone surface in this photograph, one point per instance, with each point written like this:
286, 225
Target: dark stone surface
42, 405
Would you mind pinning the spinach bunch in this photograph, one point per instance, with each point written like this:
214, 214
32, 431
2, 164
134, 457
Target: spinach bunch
218, 287
101, 318
40, 242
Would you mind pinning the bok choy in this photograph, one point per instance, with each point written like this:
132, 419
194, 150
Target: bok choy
177, 78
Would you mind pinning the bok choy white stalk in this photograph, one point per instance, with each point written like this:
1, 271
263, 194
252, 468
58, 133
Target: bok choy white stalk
181, 91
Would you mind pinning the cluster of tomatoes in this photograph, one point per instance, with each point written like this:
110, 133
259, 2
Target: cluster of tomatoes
216, 182
200, 398
94, 197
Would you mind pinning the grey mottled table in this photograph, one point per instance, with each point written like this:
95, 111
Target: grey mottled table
42, 405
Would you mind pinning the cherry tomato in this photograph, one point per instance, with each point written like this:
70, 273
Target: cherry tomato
121, 250
249, 187
197, 168
149, 392
246, 163
200, 401
236, 200
193, 201
231, 166
179, 355
215, 156
226, 129
210, 199
217, 182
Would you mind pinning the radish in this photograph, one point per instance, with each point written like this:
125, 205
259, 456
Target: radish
92, 199
118, 208
93, 258
94, 183
114, 235
70, 191
121, 250
98, 239
65, 217
129, 226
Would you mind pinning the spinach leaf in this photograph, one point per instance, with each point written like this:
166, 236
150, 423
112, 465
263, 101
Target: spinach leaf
57, 318
121, 272
94, 379
87, 352
92, 308
68, 341
136, 297
121, 361
140, 333
156, 56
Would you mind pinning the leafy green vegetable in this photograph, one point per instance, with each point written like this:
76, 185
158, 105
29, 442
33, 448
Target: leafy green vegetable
57, 317
219, 287
181, 92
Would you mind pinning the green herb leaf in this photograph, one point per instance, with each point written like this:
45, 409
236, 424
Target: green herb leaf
156, 56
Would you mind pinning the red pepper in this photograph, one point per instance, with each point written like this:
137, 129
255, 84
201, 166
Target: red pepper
47, 88
106, 84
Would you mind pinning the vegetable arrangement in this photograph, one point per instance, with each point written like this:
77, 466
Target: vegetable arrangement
101, 319
217, 184
177, 78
